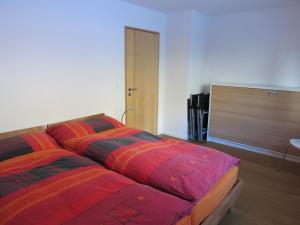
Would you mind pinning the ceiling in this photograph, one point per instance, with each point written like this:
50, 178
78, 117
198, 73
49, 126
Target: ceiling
212, 7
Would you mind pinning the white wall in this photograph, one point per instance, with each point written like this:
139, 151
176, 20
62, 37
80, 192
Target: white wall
198, 38
61, 59
261, 47
178, 28
185, 42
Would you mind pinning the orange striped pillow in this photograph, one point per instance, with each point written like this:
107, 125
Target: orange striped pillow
24, 144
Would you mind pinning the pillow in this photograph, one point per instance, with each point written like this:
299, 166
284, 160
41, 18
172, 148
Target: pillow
68, 130
24, 144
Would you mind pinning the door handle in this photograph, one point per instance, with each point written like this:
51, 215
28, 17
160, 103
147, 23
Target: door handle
132, 89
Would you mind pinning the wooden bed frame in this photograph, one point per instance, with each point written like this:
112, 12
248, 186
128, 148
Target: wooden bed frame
213, 219
23, 131
78, 119
226, 205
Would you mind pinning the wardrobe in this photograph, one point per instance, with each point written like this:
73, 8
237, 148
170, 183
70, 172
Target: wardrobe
259, 117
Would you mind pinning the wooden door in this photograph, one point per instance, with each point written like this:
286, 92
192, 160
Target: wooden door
141, 71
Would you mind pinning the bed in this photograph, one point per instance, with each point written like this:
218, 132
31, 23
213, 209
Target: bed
205, 177
55, 186
209, 210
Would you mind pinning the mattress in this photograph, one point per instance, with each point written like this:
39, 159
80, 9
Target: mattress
214, 197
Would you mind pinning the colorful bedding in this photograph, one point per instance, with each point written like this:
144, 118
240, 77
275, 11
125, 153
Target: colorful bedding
177, 167
59, 187
24, 144
67, 130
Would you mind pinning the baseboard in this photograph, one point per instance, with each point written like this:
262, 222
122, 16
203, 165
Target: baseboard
253, 149
174, 136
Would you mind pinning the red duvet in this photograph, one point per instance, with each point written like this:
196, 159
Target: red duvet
186, 170
59, 187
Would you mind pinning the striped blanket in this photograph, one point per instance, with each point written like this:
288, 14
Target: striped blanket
177, 167
59, 187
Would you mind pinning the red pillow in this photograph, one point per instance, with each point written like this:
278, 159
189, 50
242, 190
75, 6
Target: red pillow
24, 144
68, 130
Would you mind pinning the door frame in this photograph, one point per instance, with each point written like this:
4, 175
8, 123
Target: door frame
125, 73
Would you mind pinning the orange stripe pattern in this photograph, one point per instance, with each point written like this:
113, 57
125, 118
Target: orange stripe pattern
25, 144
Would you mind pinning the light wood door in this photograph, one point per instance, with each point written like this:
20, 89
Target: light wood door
257, 117
141, 62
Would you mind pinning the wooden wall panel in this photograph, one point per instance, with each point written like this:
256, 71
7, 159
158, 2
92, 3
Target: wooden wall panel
258, 117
